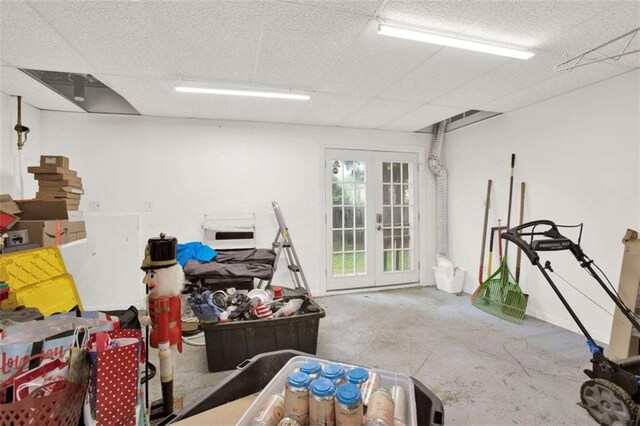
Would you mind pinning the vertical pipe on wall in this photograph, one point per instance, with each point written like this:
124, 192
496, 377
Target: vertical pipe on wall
19, 128
440, 173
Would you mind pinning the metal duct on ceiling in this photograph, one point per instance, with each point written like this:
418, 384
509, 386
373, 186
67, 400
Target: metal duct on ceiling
83, 90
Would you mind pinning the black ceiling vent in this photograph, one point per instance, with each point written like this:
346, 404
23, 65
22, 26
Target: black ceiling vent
84, 90
462, 120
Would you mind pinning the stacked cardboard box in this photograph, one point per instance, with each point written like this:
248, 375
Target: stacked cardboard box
57, 182
48, 224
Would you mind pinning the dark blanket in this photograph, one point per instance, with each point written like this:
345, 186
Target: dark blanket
263, 256
228, 270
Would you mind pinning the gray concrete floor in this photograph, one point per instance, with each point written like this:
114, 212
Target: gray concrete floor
485, 370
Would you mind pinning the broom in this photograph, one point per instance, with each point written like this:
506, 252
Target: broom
500, 294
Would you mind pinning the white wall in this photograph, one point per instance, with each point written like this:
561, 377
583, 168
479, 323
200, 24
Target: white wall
189, 168
9, 155
578, 154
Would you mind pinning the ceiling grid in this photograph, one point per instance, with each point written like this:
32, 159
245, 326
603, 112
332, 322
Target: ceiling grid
258, 45
329, 49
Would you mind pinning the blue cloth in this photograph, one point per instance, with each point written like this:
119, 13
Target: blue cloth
195, 251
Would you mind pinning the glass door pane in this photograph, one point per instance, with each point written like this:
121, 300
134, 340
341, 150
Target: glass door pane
397, 189
349, 195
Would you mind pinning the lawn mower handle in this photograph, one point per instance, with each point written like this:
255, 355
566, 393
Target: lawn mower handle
554, 240
550, 239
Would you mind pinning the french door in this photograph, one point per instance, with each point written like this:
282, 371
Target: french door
371, 218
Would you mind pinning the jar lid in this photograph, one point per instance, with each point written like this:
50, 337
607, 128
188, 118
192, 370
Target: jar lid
323, 387
333, 371
311, 367
298, 379
357, 375
348, 394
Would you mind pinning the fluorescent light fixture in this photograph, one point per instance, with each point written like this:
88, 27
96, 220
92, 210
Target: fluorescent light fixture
249, 93
398, 32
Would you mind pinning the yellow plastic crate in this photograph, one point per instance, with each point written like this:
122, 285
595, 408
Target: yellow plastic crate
38, 278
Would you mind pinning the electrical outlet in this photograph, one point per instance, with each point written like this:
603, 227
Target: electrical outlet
95, 206
148, 206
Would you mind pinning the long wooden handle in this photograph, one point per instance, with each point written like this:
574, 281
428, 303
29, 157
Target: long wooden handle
519, 255
499, 239
484, 231
18, 127
513, 162
19, 110
490, 260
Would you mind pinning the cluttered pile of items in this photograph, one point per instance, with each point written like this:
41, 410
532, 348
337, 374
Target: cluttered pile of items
60, 363
239, 321
50, 323
240, 305
67, 366
50, 219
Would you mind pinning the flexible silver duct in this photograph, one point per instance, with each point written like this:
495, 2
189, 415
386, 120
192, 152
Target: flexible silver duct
440, 173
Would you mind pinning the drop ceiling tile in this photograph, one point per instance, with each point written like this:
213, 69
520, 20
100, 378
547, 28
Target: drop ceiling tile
441, 16
513, 76
115, 37
442, 73
212, 41
15, 82
424, 116
378, 112
329, 109
375, 62
150, 96
28, 41
272, 110
158, 98
300, 45
531, 24
242, 108
360, 7
561, 83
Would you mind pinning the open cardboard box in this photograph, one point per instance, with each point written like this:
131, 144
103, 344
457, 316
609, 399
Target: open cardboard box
227, 414
7, 205
48, 222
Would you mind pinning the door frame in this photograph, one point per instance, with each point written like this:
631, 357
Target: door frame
426, 183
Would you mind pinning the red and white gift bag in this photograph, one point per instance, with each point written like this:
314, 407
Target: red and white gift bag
115, 368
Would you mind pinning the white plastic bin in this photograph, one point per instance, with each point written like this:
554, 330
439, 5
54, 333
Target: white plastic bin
277, 384
445, 267
450, 285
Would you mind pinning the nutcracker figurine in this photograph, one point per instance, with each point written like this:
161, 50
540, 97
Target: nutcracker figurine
164, 279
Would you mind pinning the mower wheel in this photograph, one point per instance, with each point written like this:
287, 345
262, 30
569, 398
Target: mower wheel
608, 403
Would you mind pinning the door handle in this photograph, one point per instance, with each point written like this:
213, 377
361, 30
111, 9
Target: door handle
379, 228
379, 218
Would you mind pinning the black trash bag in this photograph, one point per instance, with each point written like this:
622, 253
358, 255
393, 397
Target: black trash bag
128, 318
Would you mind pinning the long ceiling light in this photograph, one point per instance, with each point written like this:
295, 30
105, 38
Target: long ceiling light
393, 31
249, 93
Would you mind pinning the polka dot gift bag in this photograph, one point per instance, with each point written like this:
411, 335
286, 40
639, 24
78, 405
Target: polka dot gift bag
113, 388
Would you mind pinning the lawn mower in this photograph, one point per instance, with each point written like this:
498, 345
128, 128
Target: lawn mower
611, 395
